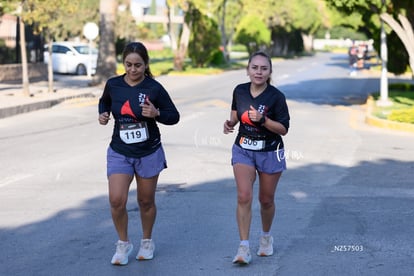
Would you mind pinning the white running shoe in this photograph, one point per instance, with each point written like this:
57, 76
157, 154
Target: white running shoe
266, 246
123, 249
146, 251
243, 255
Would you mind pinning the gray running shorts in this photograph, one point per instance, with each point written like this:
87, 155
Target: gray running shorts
146, 167
264, 161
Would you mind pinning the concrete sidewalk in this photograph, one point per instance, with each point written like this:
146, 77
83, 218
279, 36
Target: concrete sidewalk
13, 102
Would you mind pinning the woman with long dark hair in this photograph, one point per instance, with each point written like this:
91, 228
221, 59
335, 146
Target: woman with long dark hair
137, 103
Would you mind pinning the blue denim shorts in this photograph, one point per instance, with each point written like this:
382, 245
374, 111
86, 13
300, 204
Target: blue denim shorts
264, 161
146, 167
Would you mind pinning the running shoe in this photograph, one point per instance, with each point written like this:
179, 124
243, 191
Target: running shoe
123, 249
146, 251
243, 255
266, 246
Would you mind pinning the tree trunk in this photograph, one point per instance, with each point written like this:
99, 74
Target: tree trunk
307, 42
224, 39
106, 67
25, 73
171, 29
280, 45
405, 33
49, 65
179, 57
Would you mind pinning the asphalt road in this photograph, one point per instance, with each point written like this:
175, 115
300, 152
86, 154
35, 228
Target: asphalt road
344, 206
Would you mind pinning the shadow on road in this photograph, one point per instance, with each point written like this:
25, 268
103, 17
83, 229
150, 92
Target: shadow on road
356, 207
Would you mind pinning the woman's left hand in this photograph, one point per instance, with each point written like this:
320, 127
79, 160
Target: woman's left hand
149, 110
254, 115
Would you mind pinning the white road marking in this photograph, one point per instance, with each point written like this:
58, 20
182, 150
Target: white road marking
12, 179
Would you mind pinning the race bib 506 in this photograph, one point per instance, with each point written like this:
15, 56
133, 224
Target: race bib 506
250, 144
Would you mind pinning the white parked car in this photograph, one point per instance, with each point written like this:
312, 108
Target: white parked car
72, 58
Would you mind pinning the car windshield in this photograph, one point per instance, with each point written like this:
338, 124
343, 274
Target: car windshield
85, 50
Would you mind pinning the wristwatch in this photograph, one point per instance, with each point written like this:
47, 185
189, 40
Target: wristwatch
262, 120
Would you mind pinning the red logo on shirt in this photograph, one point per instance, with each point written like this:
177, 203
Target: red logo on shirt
126, 110
246, 120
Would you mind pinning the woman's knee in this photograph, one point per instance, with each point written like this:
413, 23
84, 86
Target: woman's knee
244, 198
118, 190
267, 202
117, 202
146, 203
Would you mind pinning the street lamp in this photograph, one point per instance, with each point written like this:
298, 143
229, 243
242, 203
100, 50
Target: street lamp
384, 101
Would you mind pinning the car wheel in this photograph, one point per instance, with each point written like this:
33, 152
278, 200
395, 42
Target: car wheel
81, 70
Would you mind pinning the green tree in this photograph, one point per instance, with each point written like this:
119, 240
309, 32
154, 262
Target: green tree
48, 17
307, 18
396, 48
153, 11
227, 14
335, 19
253, 33
87, 11
390, 11
126, 27
404, 31
16, 7
293, 23
180, 40
180, 37
205, 38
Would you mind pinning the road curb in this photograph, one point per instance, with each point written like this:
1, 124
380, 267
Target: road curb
382, 123
41, 104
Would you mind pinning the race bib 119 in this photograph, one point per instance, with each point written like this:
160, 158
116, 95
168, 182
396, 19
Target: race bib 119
133, 133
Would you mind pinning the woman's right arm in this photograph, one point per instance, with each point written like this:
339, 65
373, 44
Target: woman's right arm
230, 124
104, 106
